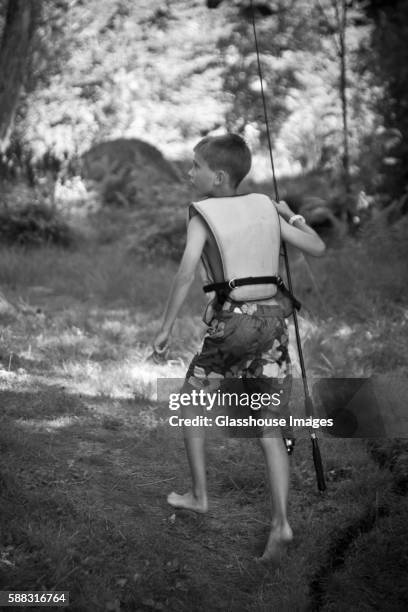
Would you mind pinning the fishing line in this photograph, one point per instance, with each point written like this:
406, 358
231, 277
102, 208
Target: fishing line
308, 399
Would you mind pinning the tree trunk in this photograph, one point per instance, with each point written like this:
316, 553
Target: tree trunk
341, 26
343, 86
343, 96
21, 18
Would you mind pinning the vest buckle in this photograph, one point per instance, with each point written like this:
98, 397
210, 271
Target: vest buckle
231, 283
279, 282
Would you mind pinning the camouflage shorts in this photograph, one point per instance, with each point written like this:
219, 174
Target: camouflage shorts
245, 342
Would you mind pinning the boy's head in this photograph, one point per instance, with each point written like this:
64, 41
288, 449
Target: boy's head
227, 158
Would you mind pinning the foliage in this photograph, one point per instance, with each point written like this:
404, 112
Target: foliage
167, 73
115, 79
102, 73
364, 279
32, 221
163, 240
301, 69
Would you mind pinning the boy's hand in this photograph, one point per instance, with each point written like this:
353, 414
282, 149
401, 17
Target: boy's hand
284, 210
160, 342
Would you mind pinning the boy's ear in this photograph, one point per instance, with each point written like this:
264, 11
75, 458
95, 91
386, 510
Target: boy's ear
220, 177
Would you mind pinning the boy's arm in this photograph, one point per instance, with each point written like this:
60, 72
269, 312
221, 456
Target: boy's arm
196, 237
299, 234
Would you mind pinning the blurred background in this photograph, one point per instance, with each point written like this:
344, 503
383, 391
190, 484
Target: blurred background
101, 102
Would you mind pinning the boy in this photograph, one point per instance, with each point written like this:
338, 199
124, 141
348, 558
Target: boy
238, 239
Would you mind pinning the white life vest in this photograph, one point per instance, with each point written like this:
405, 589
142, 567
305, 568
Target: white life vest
246, 230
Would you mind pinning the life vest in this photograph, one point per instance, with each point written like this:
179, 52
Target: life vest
246, 230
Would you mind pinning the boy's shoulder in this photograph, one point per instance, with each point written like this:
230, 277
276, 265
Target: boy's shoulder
239, 197
239, 210
231, 205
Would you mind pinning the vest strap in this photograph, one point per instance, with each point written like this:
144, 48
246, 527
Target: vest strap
224, 289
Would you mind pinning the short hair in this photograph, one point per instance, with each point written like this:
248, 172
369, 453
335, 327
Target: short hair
229, 152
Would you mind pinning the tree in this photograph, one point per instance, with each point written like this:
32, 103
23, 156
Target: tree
388, 62
148, 70
339, 31
314, 92
19, 26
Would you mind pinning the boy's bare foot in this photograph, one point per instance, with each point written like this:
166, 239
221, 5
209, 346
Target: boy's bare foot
279, 537
188, 502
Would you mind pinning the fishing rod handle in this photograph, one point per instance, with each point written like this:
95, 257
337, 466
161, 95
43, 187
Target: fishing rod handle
317, 460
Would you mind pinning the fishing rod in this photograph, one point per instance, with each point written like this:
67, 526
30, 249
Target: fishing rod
309, 408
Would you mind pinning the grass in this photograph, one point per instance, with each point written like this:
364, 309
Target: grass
106, 275
87, 457
85, 512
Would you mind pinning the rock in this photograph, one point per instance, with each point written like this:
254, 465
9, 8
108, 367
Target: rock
129, 172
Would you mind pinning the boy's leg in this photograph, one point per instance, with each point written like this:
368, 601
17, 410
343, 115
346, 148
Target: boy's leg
196, 499
194, 437
277, 467
194, 443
